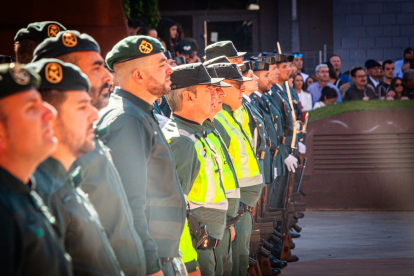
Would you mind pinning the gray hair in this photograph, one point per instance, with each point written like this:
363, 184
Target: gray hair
320, 66
175, 97
408, 75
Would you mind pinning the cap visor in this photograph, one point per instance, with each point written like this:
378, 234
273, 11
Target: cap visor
247, 79
212, 81
239, 54
222, 84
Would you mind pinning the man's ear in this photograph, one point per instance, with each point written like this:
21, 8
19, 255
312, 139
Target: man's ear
188, 96
137, 76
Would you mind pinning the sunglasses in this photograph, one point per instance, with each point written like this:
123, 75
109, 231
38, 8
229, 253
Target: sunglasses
398, 84
237, 84
298, 55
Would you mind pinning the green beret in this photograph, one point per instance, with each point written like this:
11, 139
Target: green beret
56, 74
39, 31
222, 48
64, 43
187, 75
15, 78
133, 47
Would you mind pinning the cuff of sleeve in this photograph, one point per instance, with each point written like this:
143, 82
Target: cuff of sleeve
153, 266
192, 266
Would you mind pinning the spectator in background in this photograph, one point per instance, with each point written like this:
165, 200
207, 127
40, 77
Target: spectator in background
333, 78
309, 81
328, 96
408, 81
359, 89
304, 97
167, 31
388, 68
322, 73
298, 62
194, 47
408, 54
336, 62
180, 32
148, 31
183, 49
396, 90
372, 68
134, 24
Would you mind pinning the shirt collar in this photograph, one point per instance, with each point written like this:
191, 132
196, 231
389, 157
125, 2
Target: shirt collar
136, 100
9, 180
54, 167
374, 81
258, 93
281, 88
246, 98
194, 125
227, 108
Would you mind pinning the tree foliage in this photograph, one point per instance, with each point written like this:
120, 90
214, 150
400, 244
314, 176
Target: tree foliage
146, 10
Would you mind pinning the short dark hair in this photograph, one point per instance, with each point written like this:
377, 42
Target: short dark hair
54, 97
329, 93
145, 30
135, 23
334, 56
388, 61
24, 50
408, 50
354, 70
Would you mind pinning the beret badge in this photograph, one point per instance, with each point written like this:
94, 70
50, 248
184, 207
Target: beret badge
53, 72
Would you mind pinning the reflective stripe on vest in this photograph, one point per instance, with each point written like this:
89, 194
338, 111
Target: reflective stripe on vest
206, 190
244, 159
229, 183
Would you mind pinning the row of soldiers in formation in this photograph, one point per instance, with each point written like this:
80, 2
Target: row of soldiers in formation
113, 193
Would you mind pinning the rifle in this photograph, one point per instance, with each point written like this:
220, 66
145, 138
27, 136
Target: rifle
287, 242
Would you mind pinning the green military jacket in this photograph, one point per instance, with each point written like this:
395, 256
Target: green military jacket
145, 164
84, 237
29, 243
212, 133
248, 195
188, 168
104, 187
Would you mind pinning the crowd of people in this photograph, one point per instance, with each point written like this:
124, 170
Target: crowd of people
135, 165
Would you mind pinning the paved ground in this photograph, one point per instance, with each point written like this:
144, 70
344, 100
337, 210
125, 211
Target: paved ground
355, 243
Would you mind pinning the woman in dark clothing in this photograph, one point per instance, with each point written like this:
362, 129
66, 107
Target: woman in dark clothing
396, 90
167, 31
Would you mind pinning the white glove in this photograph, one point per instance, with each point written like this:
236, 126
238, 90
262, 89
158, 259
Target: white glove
275, 172
302, 148
298, 126
291, 163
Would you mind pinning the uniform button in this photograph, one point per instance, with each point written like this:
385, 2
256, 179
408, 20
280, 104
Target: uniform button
260, 125
276, 116
264, 134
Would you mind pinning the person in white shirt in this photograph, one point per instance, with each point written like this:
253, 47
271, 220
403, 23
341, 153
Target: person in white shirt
305, 97
408, 54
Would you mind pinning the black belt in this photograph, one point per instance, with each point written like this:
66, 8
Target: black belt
209, 243
164, 261
244, 208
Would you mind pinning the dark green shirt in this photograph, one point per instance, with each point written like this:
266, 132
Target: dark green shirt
146, 166
84, 236
28, 243
101, 181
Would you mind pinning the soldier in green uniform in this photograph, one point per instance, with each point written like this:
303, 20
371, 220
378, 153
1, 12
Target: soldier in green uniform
224, 260
140, 152
100, 177
191, 103
244, 158
27, 39
66, 88
29, 244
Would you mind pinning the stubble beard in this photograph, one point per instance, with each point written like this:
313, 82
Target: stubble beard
157, 88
